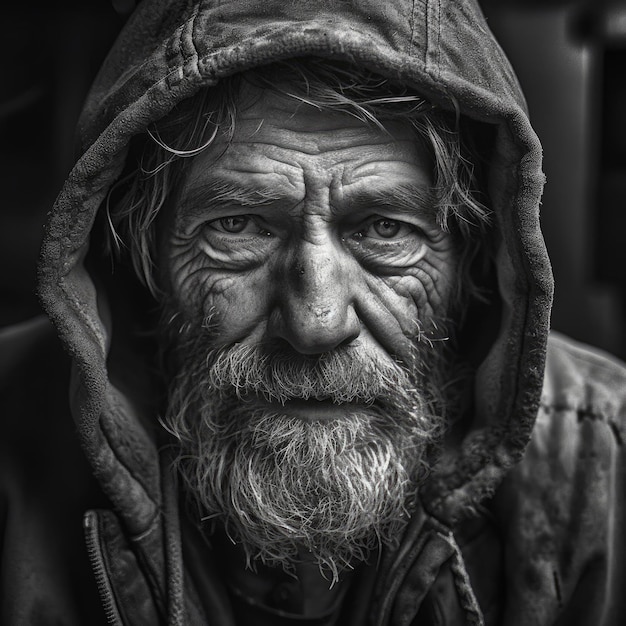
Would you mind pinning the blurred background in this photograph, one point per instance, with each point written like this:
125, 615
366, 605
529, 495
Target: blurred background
570, 56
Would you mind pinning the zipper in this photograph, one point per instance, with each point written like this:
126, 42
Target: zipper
96, 558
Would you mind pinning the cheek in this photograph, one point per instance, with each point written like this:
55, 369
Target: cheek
391, 306
233, 300
429, 286
418, 298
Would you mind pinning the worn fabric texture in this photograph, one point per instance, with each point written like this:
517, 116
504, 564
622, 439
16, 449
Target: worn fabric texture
524, 528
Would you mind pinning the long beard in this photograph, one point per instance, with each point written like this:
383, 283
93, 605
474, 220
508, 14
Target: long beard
283, 487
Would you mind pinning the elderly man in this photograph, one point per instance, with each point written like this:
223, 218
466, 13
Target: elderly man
300, 278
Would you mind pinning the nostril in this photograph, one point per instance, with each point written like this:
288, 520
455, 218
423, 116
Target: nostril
313, 307
349, 339
311, 329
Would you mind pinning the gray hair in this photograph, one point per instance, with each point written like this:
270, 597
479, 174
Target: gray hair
327, 85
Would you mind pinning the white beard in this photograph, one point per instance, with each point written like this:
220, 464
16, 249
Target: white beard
282, 486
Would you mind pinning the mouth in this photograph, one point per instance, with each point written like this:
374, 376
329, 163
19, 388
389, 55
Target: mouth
313, 410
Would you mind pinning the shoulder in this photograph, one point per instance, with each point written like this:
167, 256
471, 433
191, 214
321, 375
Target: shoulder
45, 484
29, 345
34, 376
582, 415
583, 379
580, 429
34, 409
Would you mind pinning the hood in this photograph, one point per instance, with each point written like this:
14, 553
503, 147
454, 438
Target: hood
168, 51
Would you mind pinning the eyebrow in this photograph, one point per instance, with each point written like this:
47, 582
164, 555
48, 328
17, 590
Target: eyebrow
409, 198
219, 192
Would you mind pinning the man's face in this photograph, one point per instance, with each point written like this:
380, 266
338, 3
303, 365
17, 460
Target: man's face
306, 261
299, 232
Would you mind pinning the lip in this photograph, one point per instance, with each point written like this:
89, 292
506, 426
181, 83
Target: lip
313, 410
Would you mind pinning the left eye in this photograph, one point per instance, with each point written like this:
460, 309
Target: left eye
235, 225
385, 228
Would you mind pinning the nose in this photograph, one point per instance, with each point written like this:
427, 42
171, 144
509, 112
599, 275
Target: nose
315, 311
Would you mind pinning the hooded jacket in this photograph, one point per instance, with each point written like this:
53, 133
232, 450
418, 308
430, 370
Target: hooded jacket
523, 528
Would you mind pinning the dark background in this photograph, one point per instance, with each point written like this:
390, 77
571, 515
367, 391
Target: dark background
570, 57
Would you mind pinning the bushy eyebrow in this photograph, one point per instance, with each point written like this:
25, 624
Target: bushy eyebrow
408, 198
219, 192
412, 199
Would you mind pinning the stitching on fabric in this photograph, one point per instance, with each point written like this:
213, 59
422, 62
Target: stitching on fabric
176, 50
617, 433
437, 51
587, 413
583, 412
431, 45
193, 53
412, 25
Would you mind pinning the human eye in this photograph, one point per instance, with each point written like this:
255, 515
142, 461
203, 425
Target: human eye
237, 225
384, 228
385, 244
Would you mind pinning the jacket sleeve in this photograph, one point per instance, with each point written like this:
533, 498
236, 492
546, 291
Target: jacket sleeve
45, 485
562, 509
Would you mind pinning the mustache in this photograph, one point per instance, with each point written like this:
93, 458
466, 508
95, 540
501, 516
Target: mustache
277, 374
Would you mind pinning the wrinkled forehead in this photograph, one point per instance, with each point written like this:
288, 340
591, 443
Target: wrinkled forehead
277, 132
288, 149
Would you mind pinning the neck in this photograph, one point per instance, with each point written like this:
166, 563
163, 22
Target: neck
304, 591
